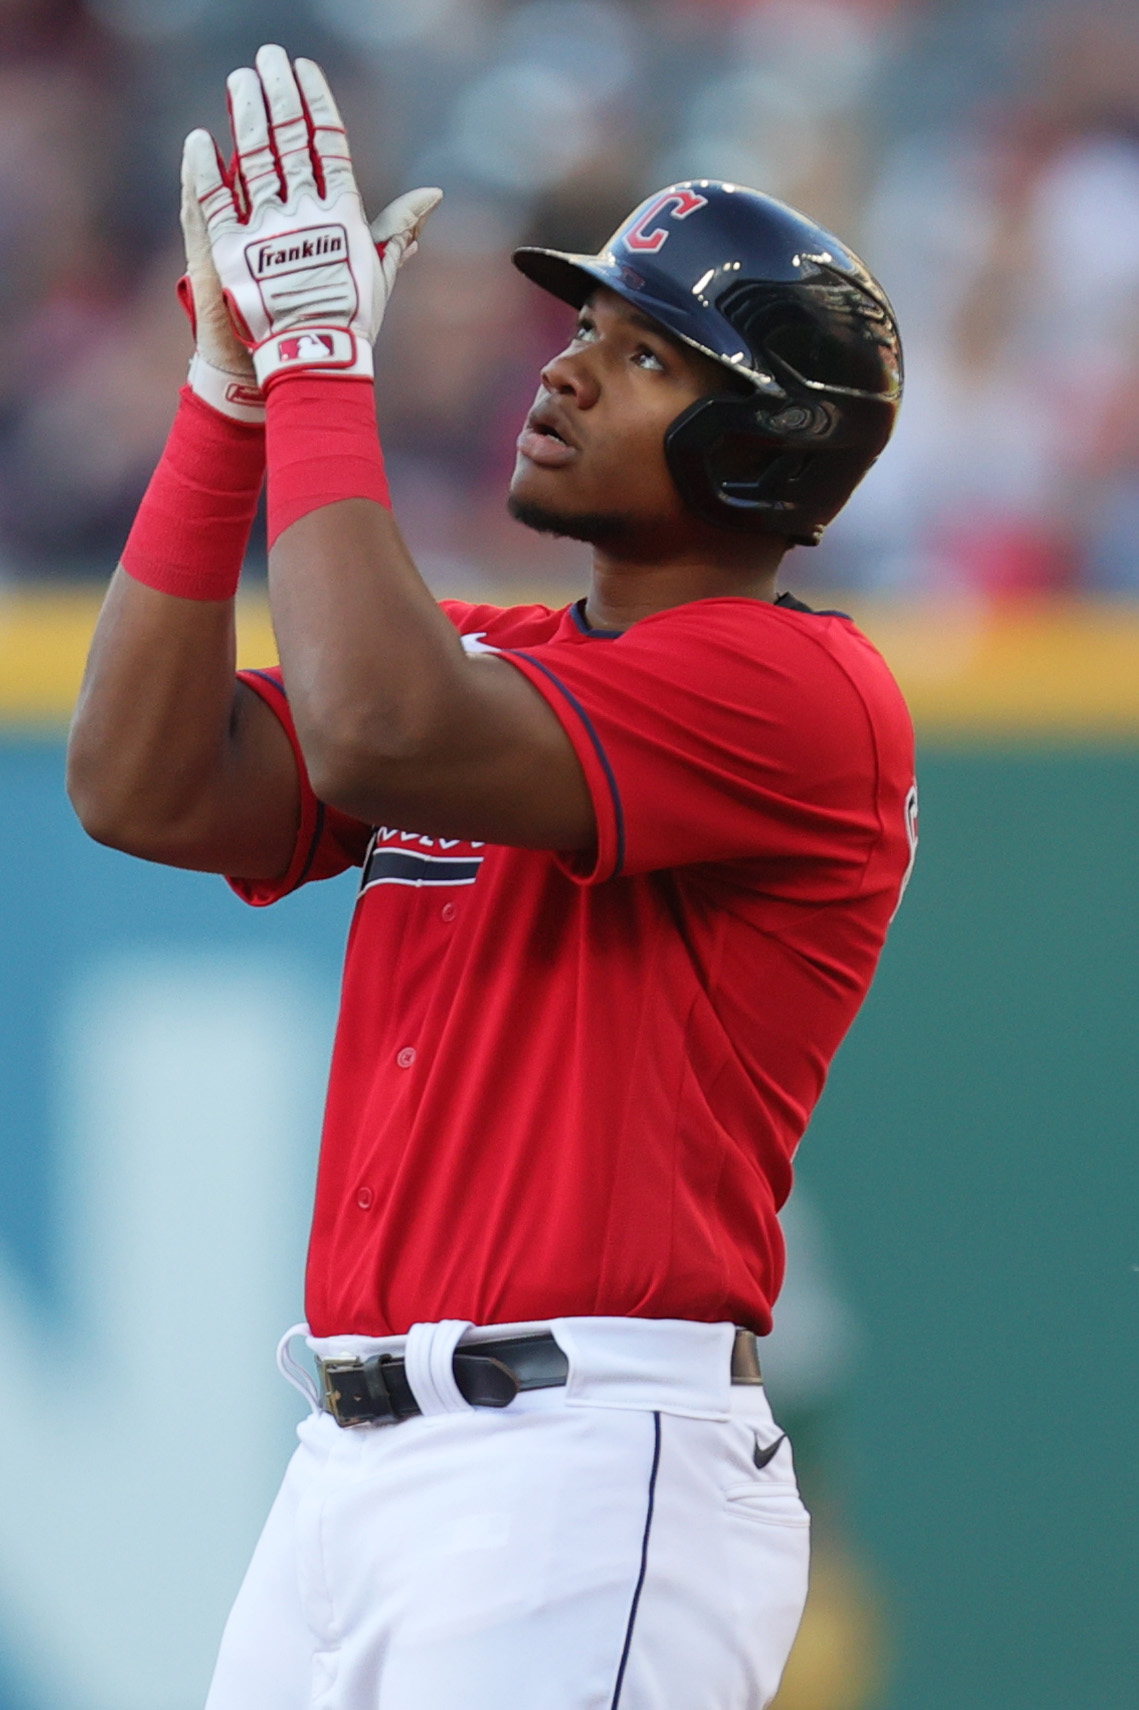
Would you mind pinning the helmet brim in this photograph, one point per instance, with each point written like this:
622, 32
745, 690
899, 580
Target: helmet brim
573, 278
570, 277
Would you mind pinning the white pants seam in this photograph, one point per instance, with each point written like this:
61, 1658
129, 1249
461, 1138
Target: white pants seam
650, 1505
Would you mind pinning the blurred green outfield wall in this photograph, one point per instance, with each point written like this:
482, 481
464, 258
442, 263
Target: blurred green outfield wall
976, 1154
974, 1157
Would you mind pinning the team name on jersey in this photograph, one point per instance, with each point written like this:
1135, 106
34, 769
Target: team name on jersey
315, 246
405, 858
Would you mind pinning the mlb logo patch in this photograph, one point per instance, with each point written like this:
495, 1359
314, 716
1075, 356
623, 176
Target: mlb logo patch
307, 347
315, 347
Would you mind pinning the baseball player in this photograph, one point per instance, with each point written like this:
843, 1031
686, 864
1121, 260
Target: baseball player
626, 870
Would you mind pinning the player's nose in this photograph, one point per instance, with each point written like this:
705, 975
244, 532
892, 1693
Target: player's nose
572, 375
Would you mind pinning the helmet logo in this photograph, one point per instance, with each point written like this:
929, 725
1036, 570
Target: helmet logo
645, 236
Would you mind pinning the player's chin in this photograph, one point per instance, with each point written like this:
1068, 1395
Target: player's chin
596, 528
545, 500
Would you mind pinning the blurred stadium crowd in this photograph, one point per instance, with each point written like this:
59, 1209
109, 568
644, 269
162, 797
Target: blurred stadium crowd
983, 156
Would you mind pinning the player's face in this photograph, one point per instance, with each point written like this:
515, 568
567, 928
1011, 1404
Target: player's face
591, 460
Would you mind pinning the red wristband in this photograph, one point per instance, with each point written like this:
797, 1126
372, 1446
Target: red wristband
192, 528
323, 446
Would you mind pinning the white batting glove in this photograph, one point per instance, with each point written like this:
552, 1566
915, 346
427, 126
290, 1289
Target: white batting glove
221, 368
305, 279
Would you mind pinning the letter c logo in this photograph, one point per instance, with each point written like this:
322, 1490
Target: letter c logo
645, 236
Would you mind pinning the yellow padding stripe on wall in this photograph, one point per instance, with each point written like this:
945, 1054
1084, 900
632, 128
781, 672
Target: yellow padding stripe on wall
1029, 671
43, 647
1024, 671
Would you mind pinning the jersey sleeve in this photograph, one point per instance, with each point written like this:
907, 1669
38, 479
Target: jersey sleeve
714, 732
328, 842
470, 619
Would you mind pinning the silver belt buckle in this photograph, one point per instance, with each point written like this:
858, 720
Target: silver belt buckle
745, 1358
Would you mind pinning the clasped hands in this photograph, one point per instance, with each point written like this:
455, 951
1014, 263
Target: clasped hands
283, 271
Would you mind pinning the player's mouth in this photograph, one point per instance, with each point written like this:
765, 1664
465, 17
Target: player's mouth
544, 441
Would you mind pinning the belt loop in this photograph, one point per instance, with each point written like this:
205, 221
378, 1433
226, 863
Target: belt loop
429, 1365
292, 1371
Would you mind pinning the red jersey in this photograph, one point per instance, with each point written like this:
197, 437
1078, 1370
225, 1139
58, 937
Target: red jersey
573, 1085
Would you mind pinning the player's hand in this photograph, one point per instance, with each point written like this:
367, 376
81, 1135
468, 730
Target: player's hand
221, 369
305, 280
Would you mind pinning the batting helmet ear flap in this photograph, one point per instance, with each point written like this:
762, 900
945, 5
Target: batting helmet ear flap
737, 461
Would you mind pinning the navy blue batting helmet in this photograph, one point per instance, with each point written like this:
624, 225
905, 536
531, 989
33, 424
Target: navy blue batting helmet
779, 302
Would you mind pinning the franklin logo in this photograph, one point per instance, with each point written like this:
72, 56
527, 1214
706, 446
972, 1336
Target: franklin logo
316, 246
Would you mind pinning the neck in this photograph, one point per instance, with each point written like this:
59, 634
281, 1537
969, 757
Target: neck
624, 589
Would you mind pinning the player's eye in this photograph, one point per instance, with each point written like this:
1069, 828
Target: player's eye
648, 359
585, 331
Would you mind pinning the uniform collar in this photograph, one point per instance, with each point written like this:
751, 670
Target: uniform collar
586, 629
580, 626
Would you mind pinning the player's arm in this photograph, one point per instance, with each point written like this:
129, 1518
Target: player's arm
397, 724
170, 758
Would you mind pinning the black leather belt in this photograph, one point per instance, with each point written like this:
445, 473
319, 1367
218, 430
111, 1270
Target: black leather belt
489, 1374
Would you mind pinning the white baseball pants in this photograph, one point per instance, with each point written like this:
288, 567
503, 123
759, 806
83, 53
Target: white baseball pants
608, 1545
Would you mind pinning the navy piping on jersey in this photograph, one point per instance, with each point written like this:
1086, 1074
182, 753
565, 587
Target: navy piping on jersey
318, 826
618, 810
577, 612
644, 1566
317, 834
267, 677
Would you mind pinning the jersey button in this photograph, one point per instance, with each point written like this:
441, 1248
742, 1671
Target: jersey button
406, 1057
449, 911
364, 1198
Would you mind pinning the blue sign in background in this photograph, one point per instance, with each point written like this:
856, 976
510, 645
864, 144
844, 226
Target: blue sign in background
162, 1050
135, 983
67, 902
